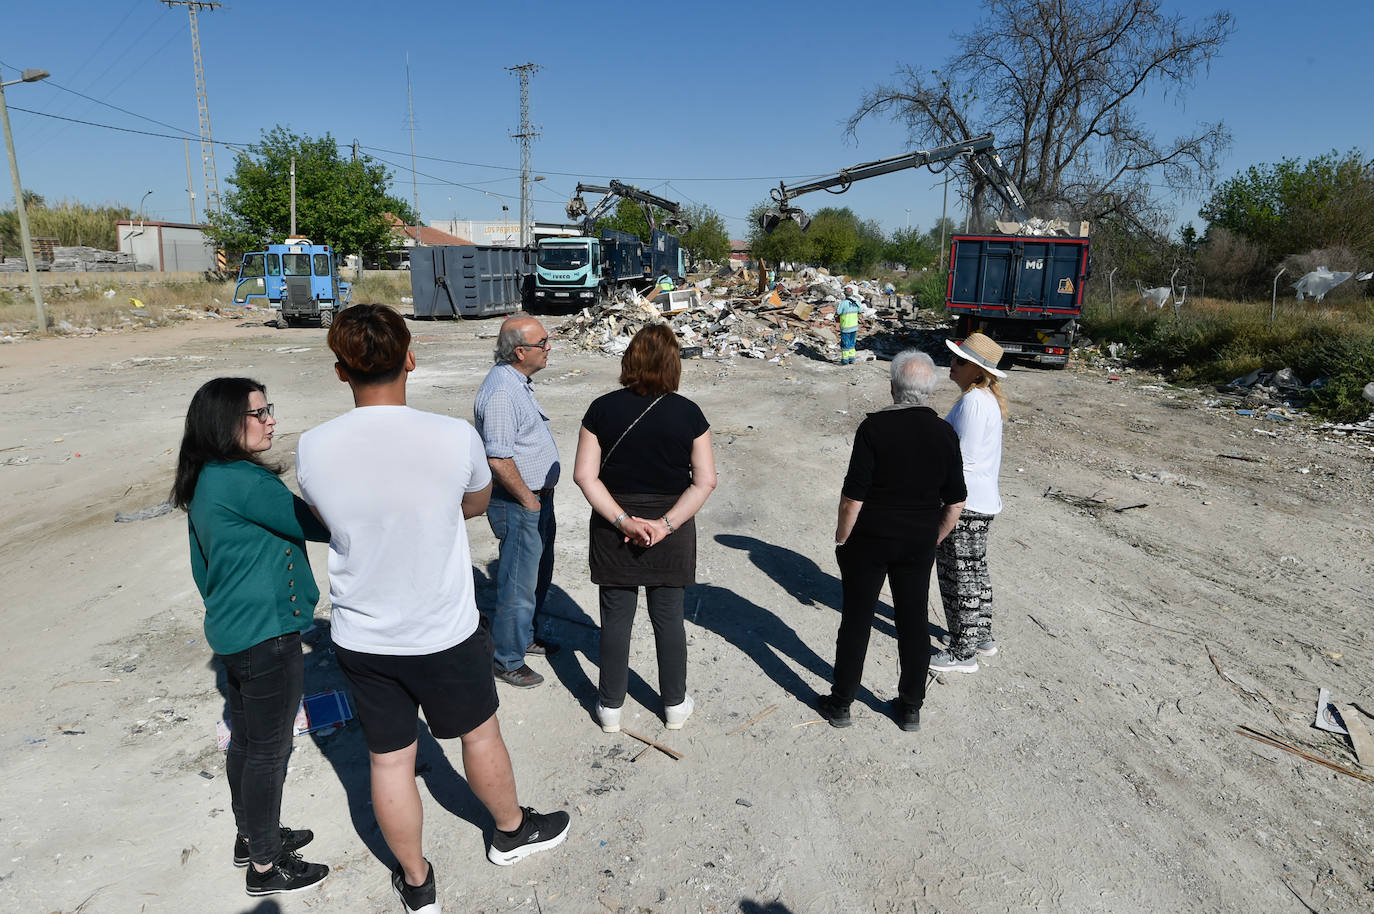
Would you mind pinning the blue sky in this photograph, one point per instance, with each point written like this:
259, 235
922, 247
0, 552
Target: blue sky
704, 102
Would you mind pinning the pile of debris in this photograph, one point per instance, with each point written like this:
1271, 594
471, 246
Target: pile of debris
725, 316
79, 259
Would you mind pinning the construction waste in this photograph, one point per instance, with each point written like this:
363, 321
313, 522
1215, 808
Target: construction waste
724, 316
79, 259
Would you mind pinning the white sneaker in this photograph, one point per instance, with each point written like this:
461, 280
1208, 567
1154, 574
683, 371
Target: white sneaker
677, 714
609, 718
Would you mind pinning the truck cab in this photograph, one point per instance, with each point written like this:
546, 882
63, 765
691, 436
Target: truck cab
568, 271
298, 278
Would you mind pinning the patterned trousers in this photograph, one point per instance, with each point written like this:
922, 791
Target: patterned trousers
965, 588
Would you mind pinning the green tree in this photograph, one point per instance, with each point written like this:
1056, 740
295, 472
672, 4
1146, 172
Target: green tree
339, 201
628, 216
912, 248
1293, 207
833, 236
785, 244
707, 238
869, 247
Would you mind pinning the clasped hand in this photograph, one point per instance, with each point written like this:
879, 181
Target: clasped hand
643, 531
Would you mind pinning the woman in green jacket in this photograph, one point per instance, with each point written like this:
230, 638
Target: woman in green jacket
248, 535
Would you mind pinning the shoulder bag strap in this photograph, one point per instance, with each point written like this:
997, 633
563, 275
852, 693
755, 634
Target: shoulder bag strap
607, 456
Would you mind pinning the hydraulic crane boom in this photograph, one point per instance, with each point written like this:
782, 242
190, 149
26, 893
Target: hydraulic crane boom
978, 150
577, 206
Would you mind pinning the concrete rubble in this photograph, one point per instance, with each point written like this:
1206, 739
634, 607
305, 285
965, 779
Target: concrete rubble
79, 259
724, 316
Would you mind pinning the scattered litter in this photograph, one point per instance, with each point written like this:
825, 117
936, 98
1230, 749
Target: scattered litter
1319, 282
144, 514
1328, 718
743, 802
207, 775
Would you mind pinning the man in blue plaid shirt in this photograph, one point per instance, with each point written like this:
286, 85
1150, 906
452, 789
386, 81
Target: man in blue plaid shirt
525, 468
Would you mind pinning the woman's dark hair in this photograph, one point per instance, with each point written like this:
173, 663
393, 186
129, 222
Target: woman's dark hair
652, 365
214, 428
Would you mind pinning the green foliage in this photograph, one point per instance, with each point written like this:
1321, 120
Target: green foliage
71, 223
928, 289
869, 247
786, 243
834, 237
628, 216
707, 239
1293, 207
1229, 341
912, 248
339, 201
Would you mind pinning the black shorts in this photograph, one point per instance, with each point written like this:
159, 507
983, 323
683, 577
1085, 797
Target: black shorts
455, 688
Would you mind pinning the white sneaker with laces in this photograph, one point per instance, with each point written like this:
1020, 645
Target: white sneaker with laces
945, 662
676, 715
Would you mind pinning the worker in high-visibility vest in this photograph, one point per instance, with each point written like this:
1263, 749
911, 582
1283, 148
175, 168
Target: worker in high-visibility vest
847, 314
665, 284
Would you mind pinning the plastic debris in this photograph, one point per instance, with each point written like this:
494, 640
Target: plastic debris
1319, 282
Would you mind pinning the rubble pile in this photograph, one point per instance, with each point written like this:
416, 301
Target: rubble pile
724, 317
79, 259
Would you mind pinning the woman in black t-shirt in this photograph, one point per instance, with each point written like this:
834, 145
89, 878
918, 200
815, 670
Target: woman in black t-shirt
645, 465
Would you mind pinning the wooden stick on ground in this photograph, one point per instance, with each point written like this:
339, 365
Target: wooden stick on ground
1278, 744
755, 719
653, 745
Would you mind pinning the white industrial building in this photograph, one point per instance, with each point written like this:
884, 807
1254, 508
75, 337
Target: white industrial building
504, 233
166, 246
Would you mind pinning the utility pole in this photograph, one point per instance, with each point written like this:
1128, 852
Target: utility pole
414, 185
526, 136
293, 196
207, 143
190, 183
944, 211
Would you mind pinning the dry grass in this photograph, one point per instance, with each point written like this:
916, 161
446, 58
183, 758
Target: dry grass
91, 304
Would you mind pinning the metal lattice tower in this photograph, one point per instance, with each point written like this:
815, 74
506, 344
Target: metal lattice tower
526, 136
207, 143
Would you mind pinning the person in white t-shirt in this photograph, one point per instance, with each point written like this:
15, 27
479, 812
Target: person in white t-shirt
961, 560
395, 486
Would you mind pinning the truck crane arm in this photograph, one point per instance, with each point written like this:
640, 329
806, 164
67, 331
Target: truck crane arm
978, 150
577, 206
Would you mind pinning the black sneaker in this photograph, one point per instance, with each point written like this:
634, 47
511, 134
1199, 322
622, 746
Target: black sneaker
522, 678
908, 717
541, 648
292, 840
537, 832
290, 874
834, 710
416, 899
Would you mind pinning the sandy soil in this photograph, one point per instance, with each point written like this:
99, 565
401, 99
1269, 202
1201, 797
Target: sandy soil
1093, 765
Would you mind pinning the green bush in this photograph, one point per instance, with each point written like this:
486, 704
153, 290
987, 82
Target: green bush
928, 289
1229, 340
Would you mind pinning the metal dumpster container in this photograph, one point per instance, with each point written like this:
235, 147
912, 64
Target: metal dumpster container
467, 280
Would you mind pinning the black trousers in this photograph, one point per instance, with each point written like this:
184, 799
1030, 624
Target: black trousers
265, 685
864, 562
670, 641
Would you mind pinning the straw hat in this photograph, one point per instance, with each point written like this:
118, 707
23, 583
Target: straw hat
981, 351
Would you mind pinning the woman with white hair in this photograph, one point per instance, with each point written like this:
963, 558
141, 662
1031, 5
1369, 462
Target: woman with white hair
961, 561
901, 496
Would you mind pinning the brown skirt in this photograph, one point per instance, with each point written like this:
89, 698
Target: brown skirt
672, 562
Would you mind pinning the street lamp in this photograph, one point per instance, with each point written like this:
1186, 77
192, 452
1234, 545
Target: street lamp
28, 76
140, 207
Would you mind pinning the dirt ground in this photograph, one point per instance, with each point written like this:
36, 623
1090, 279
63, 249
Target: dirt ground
1190, 571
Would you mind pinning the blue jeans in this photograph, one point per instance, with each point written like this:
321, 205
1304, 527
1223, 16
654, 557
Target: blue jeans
523, 573
265, 683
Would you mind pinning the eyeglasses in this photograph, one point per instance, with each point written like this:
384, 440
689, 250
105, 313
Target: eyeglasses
537, 344
262, 413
